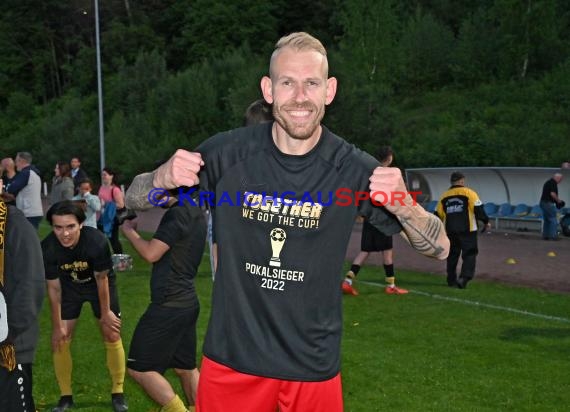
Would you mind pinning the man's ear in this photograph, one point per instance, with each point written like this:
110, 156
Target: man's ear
267, 89
331, 90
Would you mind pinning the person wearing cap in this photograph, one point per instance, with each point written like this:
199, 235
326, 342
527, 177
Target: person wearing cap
459, 208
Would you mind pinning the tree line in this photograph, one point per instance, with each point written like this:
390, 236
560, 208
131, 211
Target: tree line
445, 82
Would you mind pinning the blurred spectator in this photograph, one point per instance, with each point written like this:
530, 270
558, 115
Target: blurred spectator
27, 188
8, 174
91, 203
258, 112
77, 173
62, 184
112, 200
549, 202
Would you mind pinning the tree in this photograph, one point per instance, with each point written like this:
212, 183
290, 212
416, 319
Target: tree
210, 27
477, 51
366, 67
425, 49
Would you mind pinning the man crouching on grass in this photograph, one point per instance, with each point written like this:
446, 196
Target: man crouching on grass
79, 269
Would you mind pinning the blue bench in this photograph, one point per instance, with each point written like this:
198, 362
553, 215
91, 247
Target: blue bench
521, 213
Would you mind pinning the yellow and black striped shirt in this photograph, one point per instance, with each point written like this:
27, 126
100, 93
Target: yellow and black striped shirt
460, 208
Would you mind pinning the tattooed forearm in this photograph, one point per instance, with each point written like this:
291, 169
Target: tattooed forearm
137, 195
423, 230
426, 234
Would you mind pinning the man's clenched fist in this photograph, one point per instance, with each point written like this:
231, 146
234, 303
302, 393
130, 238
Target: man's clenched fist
180, 170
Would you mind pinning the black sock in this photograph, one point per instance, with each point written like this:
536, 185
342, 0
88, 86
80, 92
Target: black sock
355, 269
66, 399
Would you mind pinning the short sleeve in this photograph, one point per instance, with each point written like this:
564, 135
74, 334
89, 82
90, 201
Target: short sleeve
49, 256
171, 226
101, 254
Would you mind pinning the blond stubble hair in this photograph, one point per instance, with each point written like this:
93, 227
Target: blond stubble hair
299, 41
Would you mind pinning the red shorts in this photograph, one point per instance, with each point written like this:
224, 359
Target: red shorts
223, 389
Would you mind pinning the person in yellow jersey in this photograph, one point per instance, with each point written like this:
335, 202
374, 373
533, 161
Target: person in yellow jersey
460, 208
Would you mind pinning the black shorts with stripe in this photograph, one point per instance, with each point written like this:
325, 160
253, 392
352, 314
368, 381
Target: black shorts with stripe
73, 296
164, 338
373, 240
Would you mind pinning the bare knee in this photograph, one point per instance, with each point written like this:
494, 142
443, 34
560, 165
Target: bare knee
136, 375
110, 336
183, 372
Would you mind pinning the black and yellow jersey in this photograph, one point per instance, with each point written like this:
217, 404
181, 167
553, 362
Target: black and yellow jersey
460, 208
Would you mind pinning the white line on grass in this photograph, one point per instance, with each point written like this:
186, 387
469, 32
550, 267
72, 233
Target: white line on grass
475, 303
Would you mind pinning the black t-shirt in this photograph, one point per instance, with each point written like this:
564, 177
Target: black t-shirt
76, 266
183, 229
277, 307
549, 186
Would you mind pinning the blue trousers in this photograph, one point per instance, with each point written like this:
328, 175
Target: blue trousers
550, 225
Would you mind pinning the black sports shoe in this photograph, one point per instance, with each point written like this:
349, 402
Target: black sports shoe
118, 402
462, 283
65, 403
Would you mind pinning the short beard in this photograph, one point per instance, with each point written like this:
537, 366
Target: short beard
291, 130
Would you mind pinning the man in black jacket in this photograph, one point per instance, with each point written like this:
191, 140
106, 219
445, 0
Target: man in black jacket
22, 290
77, 173
460, 208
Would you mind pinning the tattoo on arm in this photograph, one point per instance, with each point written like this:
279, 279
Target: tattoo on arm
426, 235
137, 195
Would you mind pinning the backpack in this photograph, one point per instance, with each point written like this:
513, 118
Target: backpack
107, 218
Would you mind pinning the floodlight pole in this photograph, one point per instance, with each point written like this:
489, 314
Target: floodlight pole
99, 88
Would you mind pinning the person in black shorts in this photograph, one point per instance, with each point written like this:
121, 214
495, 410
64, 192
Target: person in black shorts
165, 336
375, 241
79, 269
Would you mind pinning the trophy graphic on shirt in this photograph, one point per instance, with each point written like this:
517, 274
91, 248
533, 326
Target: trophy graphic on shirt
277, 237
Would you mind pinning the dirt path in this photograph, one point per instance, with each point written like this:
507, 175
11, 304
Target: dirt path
533, 266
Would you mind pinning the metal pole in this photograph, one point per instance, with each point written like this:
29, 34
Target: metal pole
99, 88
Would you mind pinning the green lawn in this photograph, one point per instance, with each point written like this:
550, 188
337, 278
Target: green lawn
487, 348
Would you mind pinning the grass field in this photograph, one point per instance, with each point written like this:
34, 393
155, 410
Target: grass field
486, 348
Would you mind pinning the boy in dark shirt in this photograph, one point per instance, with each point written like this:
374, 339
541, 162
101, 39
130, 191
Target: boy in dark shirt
79, 269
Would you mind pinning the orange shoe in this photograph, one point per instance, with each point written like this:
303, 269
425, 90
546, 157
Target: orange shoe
348, 289
394, 290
